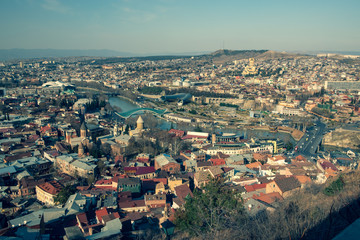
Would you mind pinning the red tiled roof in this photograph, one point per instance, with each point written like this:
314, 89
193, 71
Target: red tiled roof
100, 213
218, 161
132, 203
178, 133
144, 170
326, 164
182, 191
83, 219
255, 187
104, 182
52, 187
254, 165
268, 197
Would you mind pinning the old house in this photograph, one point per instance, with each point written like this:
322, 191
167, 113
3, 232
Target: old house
285, 186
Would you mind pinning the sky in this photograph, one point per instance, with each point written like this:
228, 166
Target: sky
180, 26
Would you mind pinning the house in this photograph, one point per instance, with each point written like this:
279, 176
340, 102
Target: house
285, 186
133, 206
201, 178
129, 184
75, 165
45, 192
111, 229
77, 203
166, 163
327, 168
189, 165
182, 192
155, 201
276, 160
174, 182
141, 172
27, 186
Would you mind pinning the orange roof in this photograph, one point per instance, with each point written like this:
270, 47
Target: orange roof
260, 156
100, 213
52, 187
254, 165
300, 158
277, 158
268, 197
255, 187
303, 179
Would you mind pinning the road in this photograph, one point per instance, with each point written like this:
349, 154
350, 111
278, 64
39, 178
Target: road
309, 143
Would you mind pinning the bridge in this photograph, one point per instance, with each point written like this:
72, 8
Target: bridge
140, 110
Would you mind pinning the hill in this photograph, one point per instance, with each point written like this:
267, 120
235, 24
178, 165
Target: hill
16, 53
225, 55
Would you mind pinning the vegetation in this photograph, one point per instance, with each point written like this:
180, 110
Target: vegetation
311, 213
323, 112
64, 194
210, 211
335, 187
151, 90
229, 105
195, 92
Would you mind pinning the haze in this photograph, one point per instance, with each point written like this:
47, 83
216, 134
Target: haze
169, 26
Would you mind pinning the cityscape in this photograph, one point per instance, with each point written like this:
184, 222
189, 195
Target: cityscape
161, 138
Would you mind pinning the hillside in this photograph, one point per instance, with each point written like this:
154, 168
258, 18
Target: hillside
225, 55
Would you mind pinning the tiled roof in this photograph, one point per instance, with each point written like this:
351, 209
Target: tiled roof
255, 187
52, 187
100, 213
144, 170
287, 183
183, 191
269, 197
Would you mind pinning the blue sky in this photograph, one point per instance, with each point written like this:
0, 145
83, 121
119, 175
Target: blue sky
179, 26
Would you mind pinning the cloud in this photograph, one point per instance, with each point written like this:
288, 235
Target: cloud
55, 6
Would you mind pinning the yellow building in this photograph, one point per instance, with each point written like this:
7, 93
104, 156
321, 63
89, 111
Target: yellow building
46, 192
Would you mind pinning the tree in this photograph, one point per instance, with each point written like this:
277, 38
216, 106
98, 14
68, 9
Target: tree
211, 210
64, 194
127, 129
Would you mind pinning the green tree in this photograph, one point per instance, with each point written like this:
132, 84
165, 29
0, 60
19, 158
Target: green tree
211, 210
64, 194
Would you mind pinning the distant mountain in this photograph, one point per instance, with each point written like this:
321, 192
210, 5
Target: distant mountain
17, 53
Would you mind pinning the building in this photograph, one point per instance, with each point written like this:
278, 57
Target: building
156, 200
166, 163
46, 192
76, 165
342, 85
250, 69
129, 184
284, 186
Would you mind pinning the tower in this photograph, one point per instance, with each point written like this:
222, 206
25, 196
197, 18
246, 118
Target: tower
83, 130
140, 123
116, 130
213, 139
68, 137
81, 150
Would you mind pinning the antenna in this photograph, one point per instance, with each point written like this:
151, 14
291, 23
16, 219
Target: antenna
223, 45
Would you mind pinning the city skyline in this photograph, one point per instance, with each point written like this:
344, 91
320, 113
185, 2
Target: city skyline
166, 26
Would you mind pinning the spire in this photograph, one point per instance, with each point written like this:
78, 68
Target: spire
83, 130
140, 123
81, 150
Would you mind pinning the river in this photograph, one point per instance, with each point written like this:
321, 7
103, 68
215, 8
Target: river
126, 105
